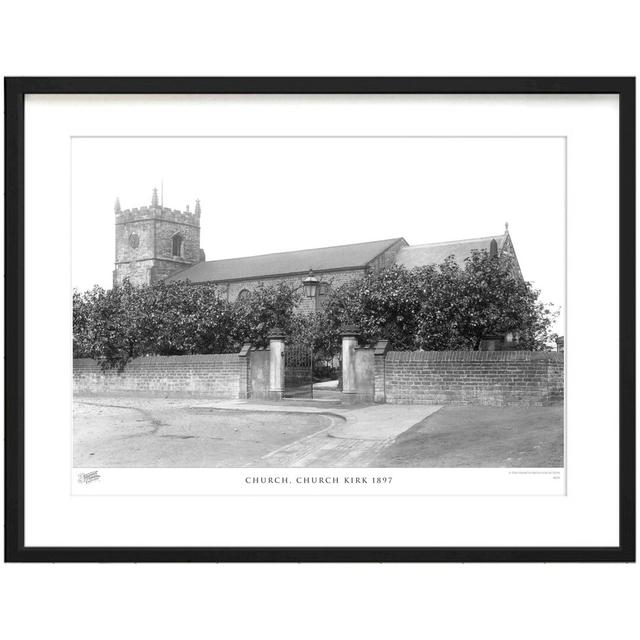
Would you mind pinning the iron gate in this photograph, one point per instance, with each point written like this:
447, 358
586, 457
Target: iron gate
298, 371
303, 367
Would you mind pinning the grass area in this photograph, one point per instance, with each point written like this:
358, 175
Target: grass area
481, 437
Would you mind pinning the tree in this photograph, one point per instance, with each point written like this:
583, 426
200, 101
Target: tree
107, 324
183, 318
447, 306
383, 304
263, 309
176, 318
441, 307
490, 300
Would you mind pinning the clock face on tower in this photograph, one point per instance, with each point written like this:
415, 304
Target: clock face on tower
134, 240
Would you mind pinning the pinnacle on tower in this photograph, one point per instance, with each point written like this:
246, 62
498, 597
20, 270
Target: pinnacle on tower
116, 206
154, 198
197, 211
506, 227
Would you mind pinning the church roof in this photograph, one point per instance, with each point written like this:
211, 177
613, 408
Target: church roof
348, 256
425, 254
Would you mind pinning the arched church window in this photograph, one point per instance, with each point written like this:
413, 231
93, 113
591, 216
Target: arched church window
178, 245
243, 295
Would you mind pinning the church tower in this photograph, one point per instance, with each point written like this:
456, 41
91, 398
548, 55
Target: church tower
154, 242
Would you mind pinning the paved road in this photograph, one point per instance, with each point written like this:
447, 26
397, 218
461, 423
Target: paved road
353, 442
156, 432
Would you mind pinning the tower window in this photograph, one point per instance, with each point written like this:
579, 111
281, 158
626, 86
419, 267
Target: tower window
178, 246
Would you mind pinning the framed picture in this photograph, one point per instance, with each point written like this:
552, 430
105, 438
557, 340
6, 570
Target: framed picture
320, 319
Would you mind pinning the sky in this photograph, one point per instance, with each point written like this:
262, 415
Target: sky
263, 195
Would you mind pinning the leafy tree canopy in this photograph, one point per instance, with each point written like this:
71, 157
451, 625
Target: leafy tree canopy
441, 307
174, 318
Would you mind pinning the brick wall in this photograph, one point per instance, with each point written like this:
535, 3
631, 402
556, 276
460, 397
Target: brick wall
213, 375
498, 378
333, 278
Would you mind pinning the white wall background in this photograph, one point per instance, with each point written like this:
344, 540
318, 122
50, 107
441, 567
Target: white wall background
328, 38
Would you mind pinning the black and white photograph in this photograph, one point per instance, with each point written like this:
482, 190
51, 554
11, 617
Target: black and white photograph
318, 302
368, 312
320, 320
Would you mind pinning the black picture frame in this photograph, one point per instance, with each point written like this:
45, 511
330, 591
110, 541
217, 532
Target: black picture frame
15, 91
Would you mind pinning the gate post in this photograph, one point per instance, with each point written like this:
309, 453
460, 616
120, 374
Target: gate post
276, 363
349, 343
244, 390
379, 367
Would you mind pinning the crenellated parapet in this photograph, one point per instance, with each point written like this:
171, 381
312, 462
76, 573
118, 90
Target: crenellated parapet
158, 213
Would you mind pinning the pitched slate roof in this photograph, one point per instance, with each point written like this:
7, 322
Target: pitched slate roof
426, 254
348, 256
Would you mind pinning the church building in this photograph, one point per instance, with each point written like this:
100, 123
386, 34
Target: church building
156, 243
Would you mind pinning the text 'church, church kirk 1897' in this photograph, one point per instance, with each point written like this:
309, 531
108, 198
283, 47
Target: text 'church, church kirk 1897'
155, 243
